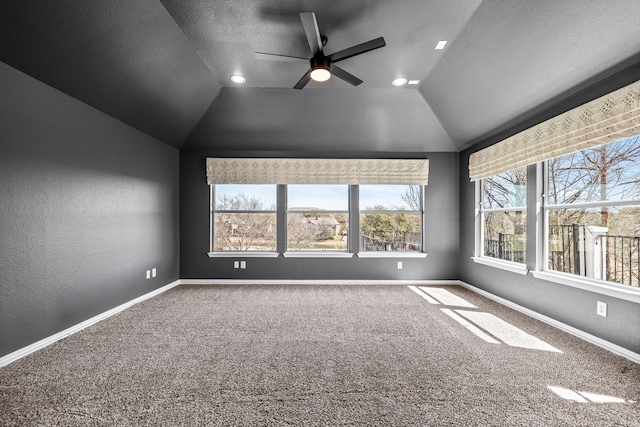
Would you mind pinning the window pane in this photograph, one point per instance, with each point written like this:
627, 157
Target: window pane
600, 243
607, 172
505, 235
245, 232
253, 197
390, 198
319, 227
317, 231
390, 232
318, 197
505, 190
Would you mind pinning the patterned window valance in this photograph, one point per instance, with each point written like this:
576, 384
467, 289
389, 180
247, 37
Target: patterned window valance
317, 171
607, 119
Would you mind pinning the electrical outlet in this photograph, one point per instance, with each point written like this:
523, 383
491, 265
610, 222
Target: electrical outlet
399, 265
148, 274
236, 264
243, 264
601, 309
153, 272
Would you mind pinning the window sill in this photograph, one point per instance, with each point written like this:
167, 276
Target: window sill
624, 292
391, 254
243, 254
512, 267
318, 254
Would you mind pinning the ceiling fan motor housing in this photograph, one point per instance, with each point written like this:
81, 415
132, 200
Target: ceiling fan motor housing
320, 61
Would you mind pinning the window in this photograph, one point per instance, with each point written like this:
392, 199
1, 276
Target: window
391, 218
299, 208
592, 212
317, 217
244, 217
503, 216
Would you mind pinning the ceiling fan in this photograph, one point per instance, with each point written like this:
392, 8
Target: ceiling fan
323, 66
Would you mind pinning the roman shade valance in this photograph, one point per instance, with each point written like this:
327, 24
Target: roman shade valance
317, 171
609, 118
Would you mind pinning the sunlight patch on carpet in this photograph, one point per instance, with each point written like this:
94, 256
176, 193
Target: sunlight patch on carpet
506, 332
475, 330
446, 297
423, 295
584, 397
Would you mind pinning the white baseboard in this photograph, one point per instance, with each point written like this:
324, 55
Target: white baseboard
315, 282
25, 351
613, 348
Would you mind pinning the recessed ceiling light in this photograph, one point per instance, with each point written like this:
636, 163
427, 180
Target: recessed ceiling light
414, 82
399, 81
441, 44
238, 79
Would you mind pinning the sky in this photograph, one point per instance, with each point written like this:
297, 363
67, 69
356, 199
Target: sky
326, 197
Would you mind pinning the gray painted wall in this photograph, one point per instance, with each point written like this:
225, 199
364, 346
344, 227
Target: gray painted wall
574, 307
87, 205
441, 228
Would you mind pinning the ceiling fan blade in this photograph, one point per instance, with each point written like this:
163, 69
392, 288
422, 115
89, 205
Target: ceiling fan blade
284, 58
347, 77
304, 80
357, 50
311, 30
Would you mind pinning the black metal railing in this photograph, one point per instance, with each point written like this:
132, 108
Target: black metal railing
508, 247
577, 249
623, 259
564, 248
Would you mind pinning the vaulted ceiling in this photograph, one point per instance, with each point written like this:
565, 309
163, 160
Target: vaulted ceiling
164, 67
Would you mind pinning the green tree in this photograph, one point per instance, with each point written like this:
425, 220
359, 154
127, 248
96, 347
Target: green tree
391, 227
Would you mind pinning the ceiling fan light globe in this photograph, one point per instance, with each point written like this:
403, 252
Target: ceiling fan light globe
320, 74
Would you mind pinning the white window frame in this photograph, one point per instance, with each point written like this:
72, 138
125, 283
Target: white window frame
212, 212
395, 254
622, 291
309, 253
479, 256
281, 210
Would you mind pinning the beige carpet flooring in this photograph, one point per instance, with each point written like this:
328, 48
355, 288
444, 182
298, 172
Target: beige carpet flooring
320, 356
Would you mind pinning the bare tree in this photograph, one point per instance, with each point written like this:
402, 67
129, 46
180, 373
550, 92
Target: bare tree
504, 229
506, 190
413, 198
241, 224
608, 172
300, 233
